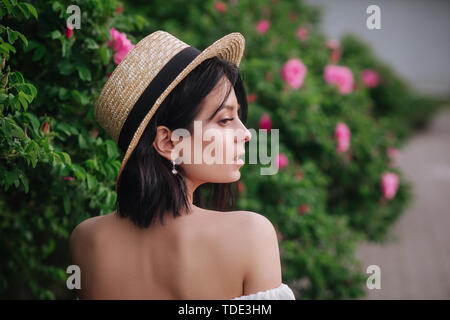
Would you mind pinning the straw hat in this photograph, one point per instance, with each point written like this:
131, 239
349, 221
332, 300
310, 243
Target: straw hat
144, 78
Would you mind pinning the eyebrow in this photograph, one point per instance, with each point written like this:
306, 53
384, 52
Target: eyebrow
227, 106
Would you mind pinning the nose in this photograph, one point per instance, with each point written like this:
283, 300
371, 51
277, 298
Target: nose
247, 135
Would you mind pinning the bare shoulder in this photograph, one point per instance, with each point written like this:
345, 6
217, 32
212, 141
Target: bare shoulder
83, 242
84, 231
253, 232
263, 265
84, 237
254, 223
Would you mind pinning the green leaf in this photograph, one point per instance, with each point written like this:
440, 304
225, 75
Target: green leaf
140, 21
57, 6
82, 142
39, 52
25, 182
109, 169
48, 248
105, 55
23, 98
91, 181
28, 97
31, 45
6, 129
34, 158
109, 198
16, 77
32, 89
31, 9
26, 89
56, 159
7, 5
65, 67
56, 34
24, 10
84, 73
111, 149
34, 121
91, 44
11, 177
80, 97
65, 48
3, 97
7, 47
66, 157
66, 202
24, 39
12, 35
63, 127
79, 172
91, 164
17, 131
4, 50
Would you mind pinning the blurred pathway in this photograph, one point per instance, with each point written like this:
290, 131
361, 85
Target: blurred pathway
416, 263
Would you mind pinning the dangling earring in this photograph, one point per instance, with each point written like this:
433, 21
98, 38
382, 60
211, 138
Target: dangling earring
176, 161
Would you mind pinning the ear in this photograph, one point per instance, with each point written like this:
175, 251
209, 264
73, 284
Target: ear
163, 143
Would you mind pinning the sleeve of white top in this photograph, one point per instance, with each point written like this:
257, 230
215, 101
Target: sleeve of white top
283, 292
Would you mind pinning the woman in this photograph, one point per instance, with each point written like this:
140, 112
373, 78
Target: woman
160, 243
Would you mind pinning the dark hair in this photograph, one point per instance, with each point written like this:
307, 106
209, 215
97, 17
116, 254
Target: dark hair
147, 187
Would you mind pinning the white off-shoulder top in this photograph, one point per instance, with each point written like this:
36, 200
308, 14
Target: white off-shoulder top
283, 292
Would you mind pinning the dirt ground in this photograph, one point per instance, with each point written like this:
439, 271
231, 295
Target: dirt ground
416, 264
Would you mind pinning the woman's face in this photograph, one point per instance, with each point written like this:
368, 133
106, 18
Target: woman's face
218, 138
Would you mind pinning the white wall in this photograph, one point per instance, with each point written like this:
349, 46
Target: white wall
414, 39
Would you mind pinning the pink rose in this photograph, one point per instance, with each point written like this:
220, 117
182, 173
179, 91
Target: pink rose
67, 178
333, 44
302, 34
340, 76
342, 136
265, 122
370, 78
294, 72
69, 30
116, 39
252, 97
262, 26
281, 161
123, 51
335, 55
389, 184
392, 152
220, 6
120, 44
302, 209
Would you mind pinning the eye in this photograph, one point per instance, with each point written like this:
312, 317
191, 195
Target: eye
225, 121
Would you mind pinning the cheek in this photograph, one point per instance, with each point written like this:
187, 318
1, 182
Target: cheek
217, 173
216, 143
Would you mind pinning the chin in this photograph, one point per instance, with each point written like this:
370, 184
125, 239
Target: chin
232, 177
236, 176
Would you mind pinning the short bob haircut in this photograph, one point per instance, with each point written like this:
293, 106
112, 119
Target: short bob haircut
147, 188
